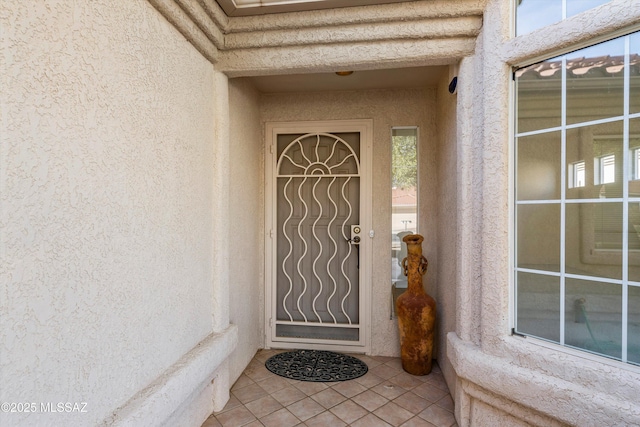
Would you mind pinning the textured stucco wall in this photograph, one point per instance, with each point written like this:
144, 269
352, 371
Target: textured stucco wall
246, 223
505, 379
105, 194
446, 196
387, 108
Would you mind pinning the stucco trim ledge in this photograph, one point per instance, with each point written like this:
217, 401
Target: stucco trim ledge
569, 402
155, 404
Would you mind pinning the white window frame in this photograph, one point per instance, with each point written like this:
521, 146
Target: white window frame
565, 172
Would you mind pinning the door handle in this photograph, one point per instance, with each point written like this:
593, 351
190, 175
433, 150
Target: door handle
355, 235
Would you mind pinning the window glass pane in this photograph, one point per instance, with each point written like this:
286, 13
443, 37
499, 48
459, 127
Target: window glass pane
576, 6
539, 96
404, 199
600, 147
634, 62
634, 241
595, 82
594, 239
633, 330
538, 171
593, 316
634, 154
539, 236
534, 14
539, 306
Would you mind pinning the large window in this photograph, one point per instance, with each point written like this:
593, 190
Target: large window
534, 14
577, 200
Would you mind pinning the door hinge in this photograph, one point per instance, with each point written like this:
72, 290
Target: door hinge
271, 322
271, 234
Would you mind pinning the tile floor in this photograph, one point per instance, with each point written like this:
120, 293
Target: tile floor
385, 396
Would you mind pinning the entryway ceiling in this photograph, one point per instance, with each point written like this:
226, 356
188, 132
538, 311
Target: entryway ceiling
360, 80
260, 7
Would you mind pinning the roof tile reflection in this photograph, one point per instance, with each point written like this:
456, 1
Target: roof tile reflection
601, 66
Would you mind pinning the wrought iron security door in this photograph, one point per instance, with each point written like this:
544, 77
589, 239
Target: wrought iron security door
317, 293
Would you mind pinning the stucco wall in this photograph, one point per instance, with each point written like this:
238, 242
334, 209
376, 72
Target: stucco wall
246, 239
106, 194
387, 108
504, 379
446, 196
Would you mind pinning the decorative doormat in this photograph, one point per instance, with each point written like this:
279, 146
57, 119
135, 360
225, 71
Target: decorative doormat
317, 366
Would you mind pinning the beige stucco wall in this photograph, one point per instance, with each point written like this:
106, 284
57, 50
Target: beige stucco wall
446, 196
246, 223
387, 108
505, 379
106, 193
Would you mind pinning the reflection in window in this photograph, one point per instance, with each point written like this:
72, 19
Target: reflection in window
577, 177
605, 169
404, 199
534, 14
577, 245
635, 164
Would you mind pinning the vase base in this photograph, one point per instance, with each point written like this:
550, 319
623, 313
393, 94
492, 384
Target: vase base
417, 368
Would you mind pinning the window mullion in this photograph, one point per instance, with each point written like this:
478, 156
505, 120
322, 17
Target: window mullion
625, 194
563, 188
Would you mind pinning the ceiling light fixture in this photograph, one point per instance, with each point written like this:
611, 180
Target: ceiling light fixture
344, 73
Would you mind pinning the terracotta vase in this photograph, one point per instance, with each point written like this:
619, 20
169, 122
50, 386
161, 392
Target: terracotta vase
416, 312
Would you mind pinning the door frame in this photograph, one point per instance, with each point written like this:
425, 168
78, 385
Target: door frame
365, 128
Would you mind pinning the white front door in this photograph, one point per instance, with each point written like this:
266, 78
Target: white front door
318, 245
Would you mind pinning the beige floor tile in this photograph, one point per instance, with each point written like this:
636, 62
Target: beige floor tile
235, 417
417, 422
446, 403
438, 381
273, 384
430, 392
412, 402
393, 414
288, 395
263, 406
249, 393
438, 416
325, 419
310, 388
305, 409
370, 420
243, 381
371, 362
280, 418
369, 380
349, 388
385, 396
406, 381
349, 411
383, 359
328, 398
388, 390
211, 422
232, 403
260, 373
385, 372
370, 400
395, 363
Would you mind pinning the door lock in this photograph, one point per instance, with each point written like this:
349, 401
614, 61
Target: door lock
355, 235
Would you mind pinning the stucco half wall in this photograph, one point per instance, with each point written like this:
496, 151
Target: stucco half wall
109, 281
